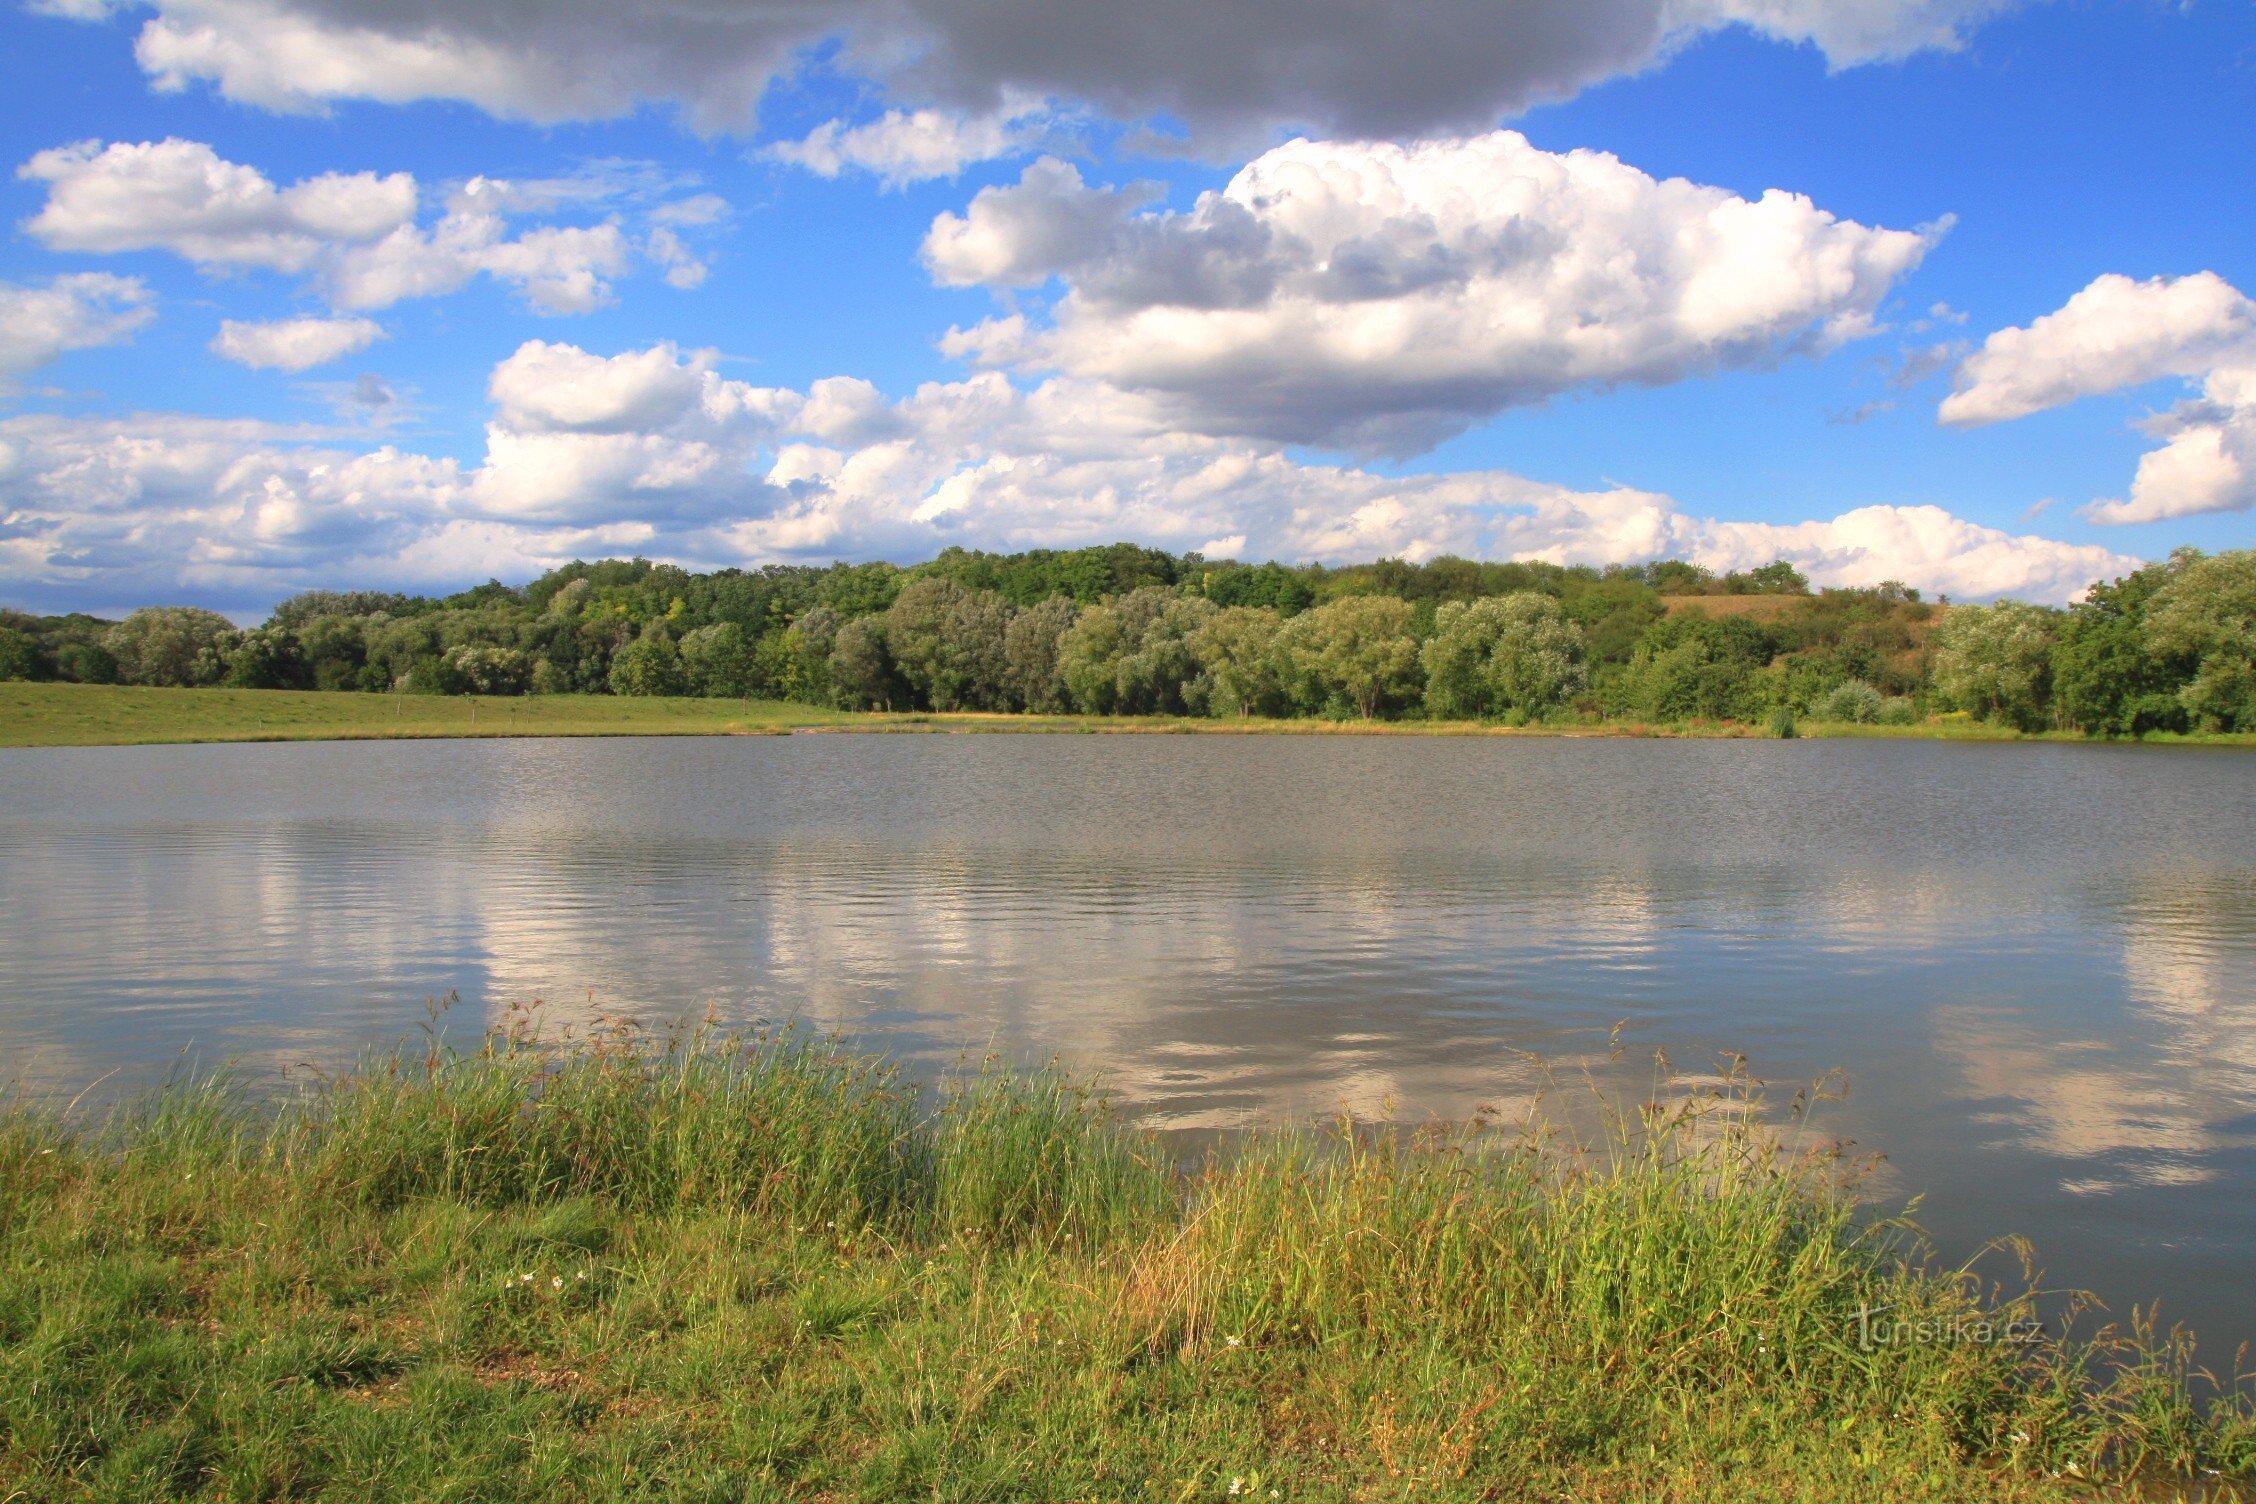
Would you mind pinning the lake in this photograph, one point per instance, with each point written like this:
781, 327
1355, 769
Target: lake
2037, 962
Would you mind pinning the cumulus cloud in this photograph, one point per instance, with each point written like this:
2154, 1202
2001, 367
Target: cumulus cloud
183, 197
293, 344
1374, 296
655, 451
656, 434
910, 146
1231, 73
2119, 333
2114, 334
357, 235
38, 323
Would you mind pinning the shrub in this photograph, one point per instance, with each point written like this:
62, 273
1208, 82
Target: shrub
1854, 701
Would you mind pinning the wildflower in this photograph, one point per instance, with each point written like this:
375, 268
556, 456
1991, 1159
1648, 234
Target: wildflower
2020, 1438
556, 1283
581, 1275
1237, 1485
1234, 1341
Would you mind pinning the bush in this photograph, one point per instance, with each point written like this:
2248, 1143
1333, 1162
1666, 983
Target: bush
17, 656
171, 645
489, 670
1854, 701
1897, 710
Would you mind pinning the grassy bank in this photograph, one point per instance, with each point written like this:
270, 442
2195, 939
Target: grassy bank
89, 715
79, 715
766, 1270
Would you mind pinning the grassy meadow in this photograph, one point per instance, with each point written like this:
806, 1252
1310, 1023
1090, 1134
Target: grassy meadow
49, 714
78, 715
749, 1269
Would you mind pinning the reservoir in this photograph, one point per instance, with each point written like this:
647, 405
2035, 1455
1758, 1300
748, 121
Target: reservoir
2036, 964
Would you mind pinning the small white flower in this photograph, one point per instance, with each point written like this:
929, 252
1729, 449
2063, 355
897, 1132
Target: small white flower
1237, 1485
556, 1283
1234, 1341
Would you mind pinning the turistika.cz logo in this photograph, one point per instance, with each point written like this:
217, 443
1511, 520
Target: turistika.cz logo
1876, 1329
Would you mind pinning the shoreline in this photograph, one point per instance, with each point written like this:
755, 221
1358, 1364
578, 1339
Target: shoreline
79, 715
765, 1267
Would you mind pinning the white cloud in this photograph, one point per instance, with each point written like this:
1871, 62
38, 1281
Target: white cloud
356, 235
2115, 333
293, 344
654, 434
1233, 73
2207, 462
654, 451
1378, 296
2118, 333
908, 146
181, 196
68, 313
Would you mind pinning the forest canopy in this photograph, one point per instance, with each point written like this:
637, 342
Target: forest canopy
1125, 630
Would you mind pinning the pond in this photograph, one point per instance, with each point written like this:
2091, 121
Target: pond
2037, 963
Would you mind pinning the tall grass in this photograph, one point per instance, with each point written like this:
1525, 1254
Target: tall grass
699, 1248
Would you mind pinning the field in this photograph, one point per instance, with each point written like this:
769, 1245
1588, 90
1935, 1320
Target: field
761, 1269
89, 715
60, 715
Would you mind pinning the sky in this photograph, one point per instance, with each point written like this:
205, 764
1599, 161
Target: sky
408, 294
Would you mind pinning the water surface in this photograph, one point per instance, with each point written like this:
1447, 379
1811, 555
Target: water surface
2037, 962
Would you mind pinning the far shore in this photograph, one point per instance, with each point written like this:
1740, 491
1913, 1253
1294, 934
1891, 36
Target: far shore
93, 715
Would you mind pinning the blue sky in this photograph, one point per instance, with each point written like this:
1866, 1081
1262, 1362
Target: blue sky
1272, 280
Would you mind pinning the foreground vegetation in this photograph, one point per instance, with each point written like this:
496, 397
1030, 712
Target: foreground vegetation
760, 1269
1125, 631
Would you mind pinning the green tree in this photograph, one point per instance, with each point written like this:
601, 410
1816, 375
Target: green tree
488, 670
718, 661
1355, 653
1159, 673
171, 645
2108, 675
1030, 656
1132, 655
267, 658
1515, 652
861, 666
1088, 658
649, 665
1237, 649
19, 655
2207, 613
1996, 661
947, 644
83, 662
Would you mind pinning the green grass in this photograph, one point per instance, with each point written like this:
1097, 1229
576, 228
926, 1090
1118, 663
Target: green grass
87, 715
67, 715
736, 1269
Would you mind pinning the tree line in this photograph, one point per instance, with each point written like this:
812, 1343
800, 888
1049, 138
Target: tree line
1125, 630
